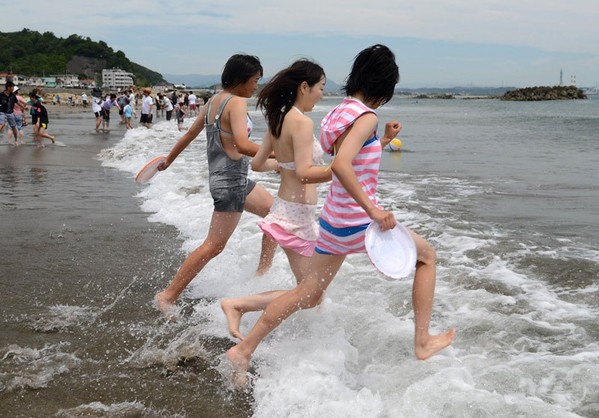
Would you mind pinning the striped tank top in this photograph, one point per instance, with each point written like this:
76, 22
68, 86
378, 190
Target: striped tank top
340, 209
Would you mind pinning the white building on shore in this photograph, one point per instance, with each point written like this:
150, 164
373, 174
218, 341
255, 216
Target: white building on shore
116, 78
19, 80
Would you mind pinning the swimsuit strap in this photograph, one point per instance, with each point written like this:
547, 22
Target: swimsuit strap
218, 112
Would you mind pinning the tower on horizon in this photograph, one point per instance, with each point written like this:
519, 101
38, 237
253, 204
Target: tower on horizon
561, 77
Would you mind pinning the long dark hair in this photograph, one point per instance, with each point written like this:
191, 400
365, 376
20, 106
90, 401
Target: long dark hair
374, 73
239, 69
277, 97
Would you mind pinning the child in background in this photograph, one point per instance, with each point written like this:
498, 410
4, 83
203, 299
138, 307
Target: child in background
39, 118
180, 112
128, 114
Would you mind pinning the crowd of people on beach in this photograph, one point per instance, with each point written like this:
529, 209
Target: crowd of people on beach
316, 246
15, 108
162, 105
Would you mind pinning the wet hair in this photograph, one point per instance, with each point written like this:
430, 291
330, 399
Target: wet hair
277, 97
374, 73
239, 69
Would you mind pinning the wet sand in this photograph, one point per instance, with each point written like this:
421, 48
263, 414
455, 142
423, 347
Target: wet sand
79, 267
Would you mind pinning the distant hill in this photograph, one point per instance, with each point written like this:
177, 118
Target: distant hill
209, 81
32, 53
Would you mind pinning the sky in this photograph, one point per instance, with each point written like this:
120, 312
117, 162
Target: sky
438, 43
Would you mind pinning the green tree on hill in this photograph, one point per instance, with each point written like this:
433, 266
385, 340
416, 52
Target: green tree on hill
33, 53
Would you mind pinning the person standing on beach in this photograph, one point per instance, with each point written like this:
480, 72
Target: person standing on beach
349, 132
174, 98
128, 114
168, 107
299, 159
122, 101
193, 108
7, 105
180, 115
108, 104
228, 127
159, 108
132, 102
97, 109
146, 108
18, 110
84, 100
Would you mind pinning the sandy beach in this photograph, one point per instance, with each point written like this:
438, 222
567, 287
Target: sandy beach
80, 265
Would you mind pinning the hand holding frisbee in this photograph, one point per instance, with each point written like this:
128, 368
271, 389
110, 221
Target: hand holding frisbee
392, 252
149, 170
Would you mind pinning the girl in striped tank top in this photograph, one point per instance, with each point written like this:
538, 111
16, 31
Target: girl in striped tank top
349, 132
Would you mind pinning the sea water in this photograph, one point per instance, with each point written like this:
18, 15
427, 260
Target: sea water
506, 192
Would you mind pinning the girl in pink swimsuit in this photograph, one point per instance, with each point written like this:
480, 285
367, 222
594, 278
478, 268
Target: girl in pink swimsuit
349, 131
291, 221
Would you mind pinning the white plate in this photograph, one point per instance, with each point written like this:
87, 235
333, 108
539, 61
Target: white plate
392, 252
149, 170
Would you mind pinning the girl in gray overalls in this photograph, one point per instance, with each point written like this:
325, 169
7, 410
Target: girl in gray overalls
228, 147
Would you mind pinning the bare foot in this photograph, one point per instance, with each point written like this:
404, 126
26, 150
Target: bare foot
53, 139
167, 308
240, 365
233, 317
433, 344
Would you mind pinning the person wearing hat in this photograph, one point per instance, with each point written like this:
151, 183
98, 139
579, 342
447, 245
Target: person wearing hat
7, 105
19, 112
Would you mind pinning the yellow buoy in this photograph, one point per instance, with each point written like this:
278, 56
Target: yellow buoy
395, 144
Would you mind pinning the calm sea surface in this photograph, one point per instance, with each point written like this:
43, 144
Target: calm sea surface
508, 193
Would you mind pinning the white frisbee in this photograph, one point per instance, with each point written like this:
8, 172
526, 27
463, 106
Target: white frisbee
149, 170
392, 252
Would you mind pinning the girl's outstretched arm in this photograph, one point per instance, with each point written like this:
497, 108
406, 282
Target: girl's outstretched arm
184, 141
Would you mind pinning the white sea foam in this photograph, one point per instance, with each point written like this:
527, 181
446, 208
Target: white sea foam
520, 348
34, 368
123, 409
64, 318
